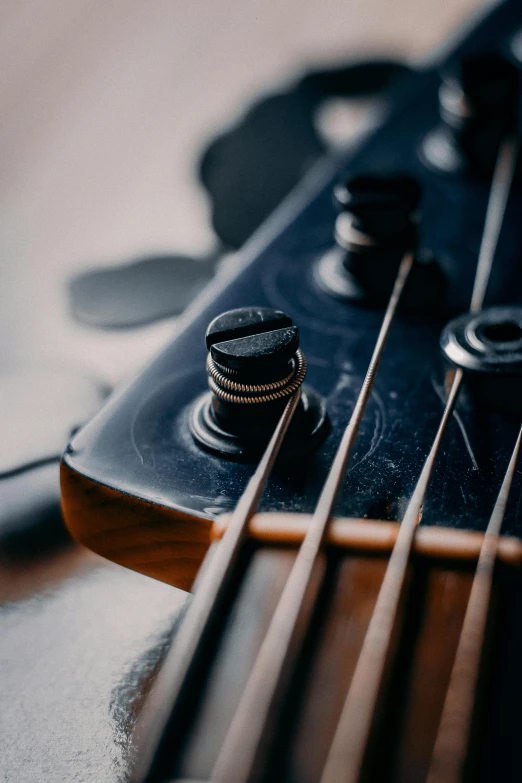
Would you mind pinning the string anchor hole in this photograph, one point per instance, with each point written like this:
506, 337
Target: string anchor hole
505, 332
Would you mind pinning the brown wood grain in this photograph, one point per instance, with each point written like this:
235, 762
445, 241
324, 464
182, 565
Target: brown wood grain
243, 634
446, 595
409, 709
153, 540
375, 535
170, 546
334, 657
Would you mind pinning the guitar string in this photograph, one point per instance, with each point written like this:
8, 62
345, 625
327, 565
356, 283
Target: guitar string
347, 751
205, 604
246, 735
346, 754
485, 275
449, 754
500, 187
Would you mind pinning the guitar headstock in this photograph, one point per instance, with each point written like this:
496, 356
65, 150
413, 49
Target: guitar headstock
144, 482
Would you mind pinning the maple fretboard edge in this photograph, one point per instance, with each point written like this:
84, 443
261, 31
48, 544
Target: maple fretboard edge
169, 545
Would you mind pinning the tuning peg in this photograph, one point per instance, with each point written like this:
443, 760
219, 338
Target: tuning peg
376, 226
380, 205
254, 342
477, 107
254, 365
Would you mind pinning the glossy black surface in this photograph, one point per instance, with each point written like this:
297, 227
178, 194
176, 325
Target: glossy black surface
141, 444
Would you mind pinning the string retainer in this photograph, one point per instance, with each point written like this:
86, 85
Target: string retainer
376, 225
488, 346
254, 365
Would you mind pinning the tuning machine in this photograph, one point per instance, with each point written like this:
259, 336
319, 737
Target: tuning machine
488, 346
477, 106
254, 365
376, 225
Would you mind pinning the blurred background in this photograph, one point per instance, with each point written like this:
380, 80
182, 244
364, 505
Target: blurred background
106, 107
105, 110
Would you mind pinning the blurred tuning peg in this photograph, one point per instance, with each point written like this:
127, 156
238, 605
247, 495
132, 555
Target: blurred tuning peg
247, 171
477, 107
377, 224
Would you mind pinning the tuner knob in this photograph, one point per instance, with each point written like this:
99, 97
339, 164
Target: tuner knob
254, 365
253, 343
488, 345
380, 206
376, 226
477, 104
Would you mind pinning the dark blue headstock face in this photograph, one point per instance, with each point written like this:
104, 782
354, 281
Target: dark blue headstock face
142, 443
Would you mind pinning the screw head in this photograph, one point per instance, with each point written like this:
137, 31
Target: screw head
258, 340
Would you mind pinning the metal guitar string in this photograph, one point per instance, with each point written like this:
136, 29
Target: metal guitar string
245, 737
449, 754
205, 604
245, 394
224, 375
231, 774
226, 765
347, 752
500, 187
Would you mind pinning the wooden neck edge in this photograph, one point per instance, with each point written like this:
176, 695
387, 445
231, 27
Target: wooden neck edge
375, 535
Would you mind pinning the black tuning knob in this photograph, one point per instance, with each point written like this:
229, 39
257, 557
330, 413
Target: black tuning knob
254, 365
254, 342
380, 206
376, 226
477, 107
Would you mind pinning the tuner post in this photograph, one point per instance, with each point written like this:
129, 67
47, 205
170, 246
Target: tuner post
254, 365
376, 225
477, 108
